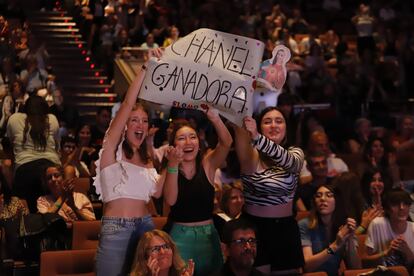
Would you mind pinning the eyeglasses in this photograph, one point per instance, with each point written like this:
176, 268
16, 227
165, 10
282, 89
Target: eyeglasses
244, 242
157, 248
326, 194
53, 175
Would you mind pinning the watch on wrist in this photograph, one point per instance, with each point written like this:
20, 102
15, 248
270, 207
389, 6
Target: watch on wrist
330, 251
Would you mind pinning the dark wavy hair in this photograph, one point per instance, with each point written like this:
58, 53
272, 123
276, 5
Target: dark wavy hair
142, 151
37, 121
366, 180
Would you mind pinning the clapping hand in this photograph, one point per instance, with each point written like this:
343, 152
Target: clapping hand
174, 156
153, 265
345, 231
369, 214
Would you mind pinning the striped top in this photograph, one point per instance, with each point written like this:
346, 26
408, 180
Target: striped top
275, 185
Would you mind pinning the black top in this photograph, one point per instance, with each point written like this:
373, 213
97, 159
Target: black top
195, 200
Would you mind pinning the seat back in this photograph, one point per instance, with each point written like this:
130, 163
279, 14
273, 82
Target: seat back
67, 262
86, 234
82, 185
400, 270
320, 273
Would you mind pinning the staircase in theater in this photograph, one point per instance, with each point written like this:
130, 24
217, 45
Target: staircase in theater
84, 86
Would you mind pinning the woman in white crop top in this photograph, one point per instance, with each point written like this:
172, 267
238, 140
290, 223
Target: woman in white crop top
126, 180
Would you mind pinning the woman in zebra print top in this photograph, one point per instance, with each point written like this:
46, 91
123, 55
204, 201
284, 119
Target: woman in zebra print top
270, 177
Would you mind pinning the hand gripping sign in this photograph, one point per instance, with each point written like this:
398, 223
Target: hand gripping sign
206, 67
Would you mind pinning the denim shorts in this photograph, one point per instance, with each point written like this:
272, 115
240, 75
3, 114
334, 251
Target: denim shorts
117, 243
200, 243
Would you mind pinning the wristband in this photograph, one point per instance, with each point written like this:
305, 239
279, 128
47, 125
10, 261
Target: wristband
172, 170
361, 229
58, 205
330, 251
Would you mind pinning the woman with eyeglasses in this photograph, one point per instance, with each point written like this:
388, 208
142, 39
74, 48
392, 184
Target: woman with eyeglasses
328, 235
157, 255
70, 205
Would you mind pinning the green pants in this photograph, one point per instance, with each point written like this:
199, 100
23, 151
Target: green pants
200, 243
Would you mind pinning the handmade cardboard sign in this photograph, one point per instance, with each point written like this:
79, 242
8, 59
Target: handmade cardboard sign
206, 67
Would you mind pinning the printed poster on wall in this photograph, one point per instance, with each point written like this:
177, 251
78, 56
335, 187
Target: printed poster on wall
206, 67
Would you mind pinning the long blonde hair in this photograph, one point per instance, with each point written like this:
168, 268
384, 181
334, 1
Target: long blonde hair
139, 266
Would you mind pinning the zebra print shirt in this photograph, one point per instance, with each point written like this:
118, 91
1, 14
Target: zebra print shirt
275, 185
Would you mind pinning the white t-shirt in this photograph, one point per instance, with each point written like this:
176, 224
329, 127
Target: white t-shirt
380, 235
335, 166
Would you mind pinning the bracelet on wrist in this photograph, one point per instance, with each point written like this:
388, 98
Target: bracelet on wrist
172, 170
144, 67
58, 205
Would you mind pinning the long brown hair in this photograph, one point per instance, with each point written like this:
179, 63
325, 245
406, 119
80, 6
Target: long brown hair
139, 266
37, 120
142, 151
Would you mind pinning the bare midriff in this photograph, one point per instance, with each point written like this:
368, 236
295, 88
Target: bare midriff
273, 211
197, 223
126, 208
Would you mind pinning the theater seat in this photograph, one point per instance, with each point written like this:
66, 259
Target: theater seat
400, 270
68, 262
82, 185
85, 234
315, 274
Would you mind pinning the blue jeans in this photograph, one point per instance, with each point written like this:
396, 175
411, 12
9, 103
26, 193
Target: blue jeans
117, 243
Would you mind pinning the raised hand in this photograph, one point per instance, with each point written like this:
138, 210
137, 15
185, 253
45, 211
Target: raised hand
369, 214
174, 156
153, 265
212, 114
189, 270
156, 52
250, 125
345, 231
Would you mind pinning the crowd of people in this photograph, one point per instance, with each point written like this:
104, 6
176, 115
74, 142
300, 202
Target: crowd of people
232, 192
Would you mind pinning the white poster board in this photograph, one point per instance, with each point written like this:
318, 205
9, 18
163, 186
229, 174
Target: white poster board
206, 67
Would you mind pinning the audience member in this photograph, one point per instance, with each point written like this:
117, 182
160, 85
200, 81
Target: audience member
11, 208
328, 235
62, 199
373, 188
390, 238
189, 190
34, 137
240, 249
319, 141
67, 115
231, 205
33, 77
157, 254
103, 118
403, 139
362, 132
70, 156
270, 171
123, 161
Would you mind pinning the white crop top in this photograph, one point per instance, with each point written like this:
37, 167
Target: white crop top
124, 180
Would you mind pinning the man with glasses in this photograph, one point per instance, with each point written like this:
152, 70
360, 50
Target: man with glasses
240, 241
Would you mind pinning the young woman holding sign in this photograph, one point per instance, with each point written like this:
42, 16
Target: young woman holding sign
126, 180
189, 190
269, 172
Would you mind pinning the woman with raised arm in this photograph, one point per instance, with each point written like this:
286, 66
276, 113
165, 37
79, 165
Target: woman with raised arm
270, 171
189, 190
126, 180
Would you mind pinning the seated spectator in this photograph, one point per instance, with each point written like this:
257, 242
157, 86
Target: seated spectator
149, 42
67, 115
327, 235
174, 34
70, 155
373, 187
349, 188
231, 205
319, 141
10, 208
103, 118
240, 241
297, 24
362, 132
157, 254
33, 77
390, 238
70, 205
403, 139
87, 153
34, 136
377, 156
318, 167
